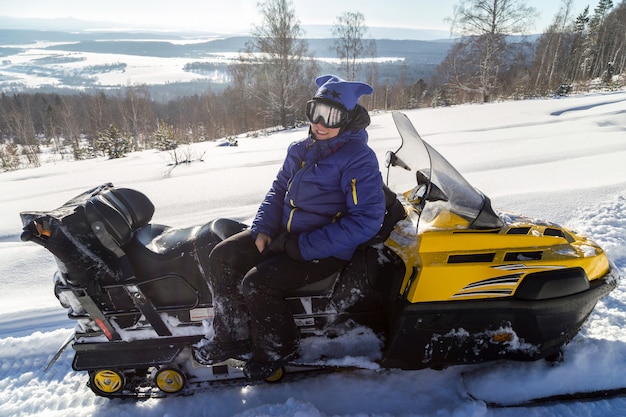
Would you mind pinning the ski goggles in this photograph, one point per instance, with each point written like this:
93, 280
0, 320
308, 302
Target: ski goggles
330, 115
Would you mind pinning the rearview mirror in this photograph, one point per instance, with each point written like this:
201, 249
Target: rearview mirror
393, 161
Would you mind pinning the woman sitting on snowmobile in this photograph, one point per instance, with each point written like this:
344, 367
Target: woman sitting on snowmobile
326, 200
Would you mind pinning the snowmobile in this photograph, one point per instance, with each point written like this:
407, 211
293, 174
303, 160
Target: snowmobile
448, 280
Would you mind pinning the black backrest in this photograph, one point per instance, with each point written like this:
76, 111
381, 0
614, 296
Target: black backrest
394, 212
121, 211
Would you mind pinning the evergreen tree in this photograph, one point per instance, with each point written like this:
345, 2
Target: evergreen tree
165, 138
112, 143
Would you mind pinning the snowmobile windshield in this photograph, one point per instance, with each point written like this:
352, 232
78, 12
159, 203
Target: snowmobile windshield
441, 197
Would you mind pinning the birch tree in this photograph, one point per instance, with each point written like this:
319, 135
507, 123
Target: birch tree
484, 26
350, 44
284, 70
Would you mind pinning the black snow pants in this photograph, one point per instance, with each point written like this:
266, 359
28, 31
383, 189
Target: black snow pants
249, 290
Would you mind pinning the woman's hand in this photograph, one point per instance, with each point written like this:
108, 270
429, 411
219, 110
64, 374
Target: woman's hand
262, 242
287, 243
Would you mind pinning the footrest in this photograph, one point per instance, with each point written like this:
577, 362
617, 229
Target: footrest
136, 354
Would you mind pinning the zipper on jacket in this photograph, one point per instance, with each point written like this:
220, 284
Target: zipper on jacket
354, 197
293, 210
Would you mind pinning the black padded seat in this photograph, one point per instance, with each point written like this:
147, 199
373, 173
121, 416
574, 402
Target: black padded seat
121, 211
321, 288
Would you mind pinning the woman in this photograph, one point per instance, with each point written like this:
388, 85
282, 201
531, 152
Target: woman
326, 200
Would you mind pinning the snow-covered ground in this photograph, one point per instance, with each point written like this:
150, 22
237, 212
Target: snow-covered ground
555, 159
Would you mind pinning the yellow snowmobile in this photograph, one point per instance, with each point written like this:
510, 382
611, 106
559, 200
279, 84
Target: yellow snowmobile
448, 280
481, 285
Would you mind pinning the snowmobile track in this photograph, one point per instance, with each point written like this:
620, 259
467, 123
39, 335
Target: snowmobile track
192, 388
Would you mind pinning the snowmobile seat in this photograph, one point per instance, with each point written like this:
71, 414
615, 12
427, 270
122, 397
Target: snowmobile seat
322, 287
157, 252
121, 211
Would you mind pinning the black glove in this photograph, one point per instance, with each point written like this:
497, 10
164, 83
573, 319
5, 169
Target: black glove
287, 243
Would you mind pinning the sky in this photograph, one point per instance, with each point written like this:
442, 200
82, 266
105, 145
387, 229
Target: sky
532, 157
239, 15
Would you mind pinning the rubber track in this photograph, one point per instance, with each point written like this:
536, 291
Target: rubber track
147, 390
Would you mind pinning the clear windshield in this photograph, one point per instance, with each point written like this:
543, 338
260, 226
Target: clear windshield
442, 198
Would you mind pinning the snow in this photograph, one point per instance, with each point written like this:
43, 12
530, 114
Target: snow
560, 160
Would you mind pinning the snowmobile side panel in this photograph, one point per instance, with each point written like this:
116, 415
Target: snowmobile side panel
460, 264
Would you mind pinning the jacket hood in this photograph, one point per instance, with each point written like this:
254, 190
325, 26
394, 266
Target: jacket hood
359, 118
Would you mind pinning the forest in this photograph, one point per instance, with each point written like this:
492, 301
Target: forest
582, 50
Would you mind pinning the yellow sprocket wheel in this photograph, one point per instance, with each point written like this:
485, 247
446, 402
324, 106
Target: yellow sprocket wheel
106, 381
276, 376
170, 380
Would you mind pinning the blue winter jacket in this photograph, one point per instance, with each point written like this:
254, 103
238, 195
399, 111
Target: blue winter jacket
328, 192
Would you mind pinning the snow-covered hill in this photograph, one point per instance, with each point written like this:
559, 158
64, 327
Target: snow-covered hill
556, 159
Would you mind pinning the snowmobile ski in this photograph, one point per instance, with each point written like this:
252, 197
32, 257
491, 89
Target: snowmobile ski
578, 396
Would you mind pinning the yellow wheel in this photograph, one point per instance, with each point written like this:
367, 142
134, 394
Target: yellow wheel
106, 381
170, 380
276, 376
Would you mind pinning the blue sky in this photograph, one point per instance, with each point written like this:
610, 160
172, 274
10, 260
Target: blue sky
239, 15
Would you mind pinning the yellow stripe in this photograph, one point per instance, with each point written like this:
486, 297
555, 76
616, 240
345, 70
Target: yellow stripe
354, 197
291, 215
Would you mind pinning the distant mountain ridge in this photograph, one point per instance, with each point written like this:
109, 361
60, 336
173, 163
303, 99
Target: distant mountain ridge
310, 31
166, 46
171, 63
